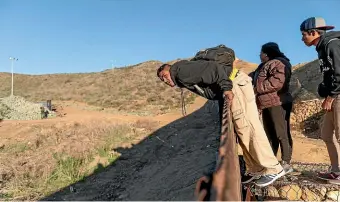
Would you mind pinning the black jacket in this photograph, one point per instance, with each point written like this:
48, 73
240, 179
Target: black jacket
209, 76
330, 67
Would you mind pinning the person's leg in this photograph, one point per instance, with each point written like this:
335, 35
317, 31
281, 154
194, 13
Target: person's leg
268, 126
278, 115
240, 153
256, 148
288, 109
330, 135
243, 131
327, 135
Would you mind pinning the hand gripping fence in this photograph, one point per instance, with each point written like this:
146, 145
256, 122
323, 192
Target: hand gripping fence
224, 184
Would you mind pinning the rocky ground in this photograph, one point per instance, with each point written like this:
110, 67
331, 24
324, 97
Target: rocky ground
17, 108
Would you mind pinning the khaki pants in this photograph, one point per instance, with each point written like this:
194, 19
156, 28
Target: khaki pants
257, 152
330, 133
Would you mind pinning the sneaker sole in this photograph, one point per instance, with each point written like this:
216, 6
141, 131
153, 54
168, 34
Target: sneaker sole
282, 173
246, 182
251, 179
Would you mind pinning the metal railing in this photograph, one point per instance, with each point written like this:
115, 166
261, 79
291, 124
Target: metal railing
224, 184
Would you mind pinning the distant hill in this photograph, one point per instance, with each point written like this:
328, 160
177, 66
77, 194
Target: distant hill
309, 76
130, 89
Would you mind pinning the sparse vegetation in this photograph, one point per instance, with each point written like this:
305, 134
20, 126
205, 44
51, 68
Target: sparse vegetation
131, 89
60, 155
40, 158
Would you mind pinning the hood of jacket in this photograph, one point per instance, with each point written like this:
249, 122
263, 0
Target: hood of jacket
324, 39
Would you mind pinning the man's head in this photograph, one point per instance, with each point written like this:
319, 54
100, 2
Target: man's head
312, 28
270, 50
163, 73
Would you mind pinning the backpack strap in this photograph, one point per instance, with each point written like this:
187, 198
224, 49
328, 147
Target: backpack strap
233, 73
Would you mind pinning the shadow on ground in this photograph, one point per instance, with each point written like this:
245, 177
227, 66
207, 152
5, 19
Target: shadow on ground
164, 166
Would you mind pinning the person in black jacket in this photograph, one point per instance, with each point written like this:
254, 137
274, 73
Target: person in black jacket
212, 80
327, 45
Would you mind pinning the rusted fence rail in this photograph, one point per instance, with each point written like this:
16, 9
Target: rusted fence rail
224, 184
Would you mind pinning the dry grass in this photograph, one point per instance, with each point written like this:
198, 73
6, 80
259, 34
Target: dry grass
45, 158
129, 89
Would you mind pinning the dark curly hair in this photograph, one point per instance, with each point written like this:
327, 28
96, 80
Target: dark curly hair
161, 68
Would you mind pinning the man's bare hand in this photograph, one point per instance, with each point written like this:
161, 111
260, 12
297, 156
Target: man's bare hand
327, 104
229, 95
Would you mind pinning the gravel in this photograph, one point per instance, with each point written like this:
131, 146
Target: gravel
17, 108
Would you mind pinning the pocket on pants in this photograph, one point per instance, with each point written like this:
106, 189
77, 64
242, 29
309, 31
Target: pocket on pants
247, 90
239, 119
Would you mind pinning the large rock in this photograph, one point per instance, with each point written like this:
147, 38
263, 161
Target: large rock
272, 193
308, 195
290, 192
321, 191
304, 110
17, 108
333, 195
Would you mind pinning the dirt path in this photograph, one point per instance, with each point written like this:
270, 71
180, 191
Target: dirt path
78, 114
157, 170
164, 166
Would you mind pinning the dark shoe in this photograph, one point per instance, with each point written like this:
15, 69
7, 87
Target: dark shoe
328, 176
268, 179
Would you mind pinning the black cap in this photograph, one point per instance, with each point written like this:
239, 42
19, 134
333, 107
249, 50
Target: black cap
272, 50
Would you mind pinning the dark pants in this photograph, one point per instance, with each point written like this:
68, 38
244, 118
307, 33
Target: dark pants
277, 126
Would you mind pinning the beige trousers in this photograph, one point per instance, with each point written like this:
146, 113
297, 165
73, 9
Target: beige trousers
256, 149
330, 133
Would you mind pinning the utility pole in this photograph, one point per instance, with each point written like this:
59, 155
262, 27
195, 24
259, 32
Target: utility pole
12, 59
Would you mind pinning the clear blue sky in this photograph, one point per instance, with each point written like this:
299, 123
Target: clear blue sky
55, 36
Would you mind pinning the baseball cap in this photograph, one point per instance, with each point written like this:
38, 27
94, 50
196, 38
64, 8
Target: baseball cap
315, 23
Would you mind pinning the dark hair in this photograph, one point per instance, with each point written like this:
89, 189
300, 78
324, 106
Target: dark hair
319, 31
161, 68
272, 50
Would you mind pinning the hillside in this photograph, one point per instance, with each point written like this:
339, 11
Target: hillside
309, 76
91, 155
130, 89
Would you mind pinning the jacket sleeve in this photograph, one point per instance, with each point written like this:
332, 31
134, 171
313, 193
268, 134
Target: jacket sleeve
334, 53
205, 72
272, 78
